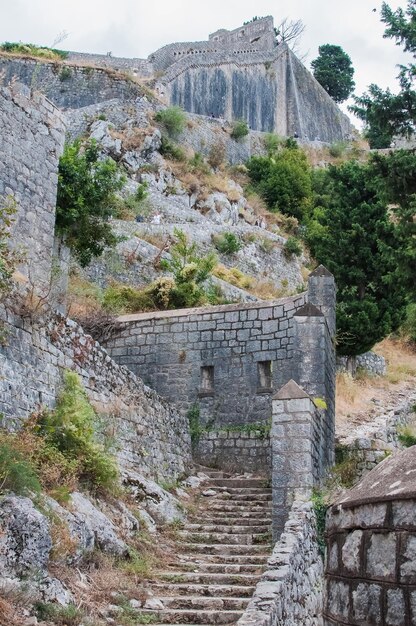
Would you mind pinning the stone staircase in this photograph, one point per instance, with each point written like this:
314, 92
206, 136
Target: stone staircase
223, 549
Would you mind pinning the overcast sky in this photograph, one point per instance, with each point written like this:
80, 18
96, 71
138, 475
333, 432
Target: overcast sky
139, 27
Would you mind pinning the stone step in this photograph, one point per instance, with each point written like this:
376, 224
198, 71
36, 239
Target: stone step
241, 490
257, 514
229, 506
261, 483
226, 537
220, 568
179, 577
223, 548
227, 603
224, 559
234, 521
174, 589
186, 616
227, 528
242, 497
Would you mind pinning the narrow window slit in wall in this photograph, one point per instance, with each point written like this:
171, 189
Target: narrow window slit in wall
207, 381
264, 376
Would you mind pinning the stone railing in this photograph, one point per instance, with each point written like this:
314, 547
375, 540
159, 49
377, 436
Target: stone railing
234, 450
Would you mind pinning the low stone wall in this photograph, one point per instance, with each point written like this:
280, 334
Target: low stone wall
371, 549
372, 363
234, 451
139, 67
369, 444
151, 437
290, 590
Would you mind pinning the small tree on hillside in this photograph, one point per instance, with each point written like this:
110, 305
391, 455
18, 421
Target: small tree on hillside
85, 202
334, 71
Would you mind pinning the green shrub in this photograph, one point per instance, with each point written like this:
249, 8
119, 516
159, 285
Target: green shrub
338, 148
283, 181
320, 507
171, 150
17, 474
292, 248
172, 119
227, 243
195, 428
272, 143
72, 429
65, 73
407, 436
60, 615
239, 130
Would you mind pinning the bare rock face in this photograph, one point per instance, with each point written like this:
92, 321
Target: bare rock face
25, 545
79, 529
104, 531
163, 507
25, 541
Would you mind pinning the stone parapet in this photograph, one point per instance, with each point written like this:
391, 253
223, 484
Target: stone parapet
290, 590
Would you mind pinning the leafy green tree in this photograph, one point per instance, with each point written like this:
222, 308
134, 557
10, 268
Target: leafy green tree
384, 113
86, 200
283, 180
355, 238
334, 71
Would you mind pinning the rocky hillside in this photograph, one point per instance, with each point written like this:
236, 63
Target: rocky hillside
172, 186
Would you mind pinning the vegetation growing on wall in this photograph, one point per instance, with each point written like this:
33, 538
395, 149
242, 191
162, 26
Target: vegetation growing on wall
8, 257
58, 450
30, 49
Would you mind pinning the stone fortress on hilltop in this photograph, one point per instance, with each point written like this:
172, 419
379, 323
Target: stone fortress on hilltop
241, 74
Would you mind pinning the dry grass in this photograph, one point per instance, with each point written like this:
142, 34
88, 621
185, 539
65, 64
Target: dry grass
157, 240
84, 297
355, 397
234, 276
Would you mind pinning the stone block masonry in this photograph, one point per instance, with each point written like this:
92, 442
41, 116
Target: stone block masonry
212, 357
234, 450
226, 362
151, 437
32, 133
371, 549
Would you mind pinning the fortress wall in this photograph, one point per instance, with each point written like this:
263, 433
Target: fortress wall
228, 90
138, 67
32, 134
68, 86
151, 437
315, 114
272, 91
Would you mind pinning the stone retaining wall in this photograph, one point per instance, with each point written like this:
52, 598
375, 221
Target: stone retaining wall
68, 86
151, 436
290, 590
